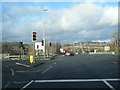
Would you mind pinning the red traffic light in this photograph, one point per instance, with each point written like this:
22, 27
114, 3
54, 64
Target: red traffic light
33, 32
33, 36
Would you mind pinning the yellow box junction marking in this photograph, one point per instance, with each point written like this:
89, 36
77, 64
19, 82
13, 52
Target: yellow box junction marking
22, 64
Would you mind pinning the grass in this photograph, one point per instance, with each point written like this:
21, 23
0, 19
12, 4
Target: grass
28, 57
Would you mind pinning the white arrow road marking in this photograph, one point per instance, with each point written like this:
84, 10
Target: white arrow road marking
12, 71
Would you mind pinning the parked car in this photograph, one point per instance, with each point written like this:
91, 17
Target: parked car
69, 53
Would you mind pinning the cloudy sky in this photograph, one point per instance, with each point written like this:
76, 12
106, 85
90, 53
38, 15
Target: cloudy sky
64, 22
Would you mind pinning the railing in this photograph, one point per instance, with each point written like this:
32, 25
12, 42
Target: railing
101, 53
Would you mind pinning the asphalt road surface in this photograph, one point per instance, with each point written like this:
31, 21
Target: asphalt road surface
79, 71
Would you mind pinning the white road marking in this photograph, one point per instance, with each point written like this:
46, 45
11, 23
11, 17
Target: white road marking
7, 84
28, 71
46, 70
27, 85
77, 80
21, 82
73, 80
54, 63
110, 86
115, 62
12, 71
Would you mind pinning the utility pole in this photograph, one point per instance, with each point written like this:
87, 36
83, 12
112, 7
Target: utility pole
44, 51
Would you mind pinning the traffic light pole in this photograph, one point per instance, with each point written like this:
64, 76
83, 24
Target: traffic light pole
21, 53
44, 49
34, 39
44, 35
34, 51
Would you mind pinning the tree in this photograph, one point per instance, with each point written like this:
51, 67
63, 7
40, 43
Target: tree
30, 49
58, 46
115, 44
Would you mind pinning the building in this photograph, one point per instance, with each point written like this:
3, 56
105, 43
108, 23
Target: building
39, 48
87, 47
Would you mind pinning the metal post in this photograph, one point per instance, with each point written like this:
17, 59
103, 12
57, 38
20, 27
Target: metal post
34, 51
44, 35
21, 53
44, 48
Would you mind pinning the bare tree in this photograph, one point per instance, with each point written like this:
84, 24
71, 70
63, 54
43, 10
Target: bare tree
115, 44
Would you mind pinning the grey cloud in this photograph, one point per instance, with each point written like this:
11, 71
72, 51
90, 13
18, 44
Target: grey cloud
83, 22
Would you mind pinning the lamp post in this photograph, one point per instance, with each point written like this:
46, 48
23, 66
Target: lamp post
44, 50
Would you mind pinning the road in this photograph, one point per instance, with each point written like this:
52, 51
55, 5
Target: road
79, 71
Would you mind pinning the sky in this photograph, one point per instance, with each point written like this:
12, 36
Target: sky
64, 22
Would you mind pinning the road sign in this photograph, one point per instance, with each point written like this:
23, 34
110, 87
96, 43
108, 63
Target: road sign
31, 58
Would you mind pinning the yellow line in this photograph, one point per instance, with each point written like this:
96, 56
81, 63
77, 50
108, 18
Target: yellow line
22, 64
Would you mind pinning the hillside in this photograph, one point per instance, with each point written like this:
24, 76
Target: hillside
13, 48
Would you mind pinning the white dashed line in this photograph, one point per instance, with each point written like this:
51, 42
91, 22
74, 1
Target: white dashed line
46, 70
7, 84
27, 85
12, 71
21, 82
28, 71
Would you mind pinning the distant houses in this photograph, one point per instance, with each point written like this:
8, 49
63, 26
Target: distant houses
87, 47
14, 48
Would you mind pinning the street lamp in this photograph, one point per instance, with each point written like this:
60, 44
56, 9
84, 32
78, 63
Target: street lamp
44, 50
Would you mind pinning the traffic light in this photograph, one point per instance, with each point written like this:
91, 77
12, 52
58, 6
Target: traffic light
50, 43
20, 44
42, 42
34, 36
